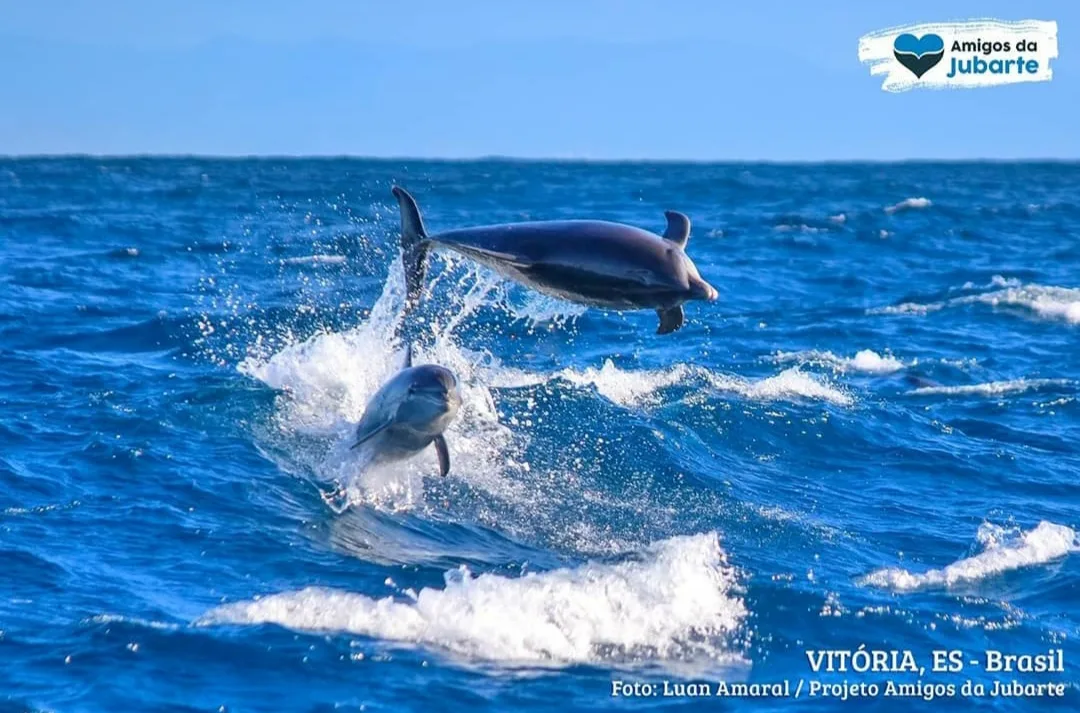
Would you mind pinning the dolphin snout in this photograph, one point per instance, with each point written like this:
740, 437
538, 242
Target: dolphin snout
449, 386
701, 290
448, 383
453, 396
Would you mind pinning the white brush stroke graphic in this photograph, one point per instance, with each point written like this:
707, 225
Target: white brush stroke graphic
876, 49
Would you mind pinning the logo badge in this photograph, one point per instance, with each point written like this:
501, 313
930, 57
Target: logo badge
919, 54
966, 54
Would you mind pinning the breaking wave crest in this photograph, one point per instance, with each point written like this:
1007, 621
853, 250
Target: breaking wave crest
676, 600
631, 388
866, 361
1042, 302
992, 388
1004, 550
908, 204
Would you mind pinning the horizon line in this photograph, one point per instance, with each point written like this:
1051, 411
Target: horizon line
497, 158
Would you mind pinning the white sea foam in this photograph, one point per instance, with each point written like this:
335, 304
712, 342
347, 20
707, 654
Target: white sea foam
908, 204
995, 281
790, 384
800, 228
991, 388
630, 388
866, 360
676, 601
1003, 550
315, 260
907, 308
134, 621
1046, 302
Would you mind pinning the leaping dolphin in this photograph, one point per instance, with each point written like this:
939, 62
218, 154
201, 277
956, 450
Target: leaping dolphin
592, 262
408, 413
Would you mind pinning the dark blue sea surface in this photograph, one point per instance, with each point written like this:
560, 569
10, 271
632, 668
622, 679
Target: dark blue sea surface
870, 439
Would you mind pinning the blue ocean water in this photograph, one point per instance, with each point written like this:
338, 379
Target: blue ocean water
870, 439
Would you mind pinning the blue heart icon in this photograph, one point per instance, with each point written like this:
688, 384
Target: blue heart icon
919, 54
919, 46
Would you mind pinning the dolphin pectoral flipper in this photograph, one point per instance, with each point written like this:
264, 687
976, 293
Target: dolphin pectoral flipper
670, 319
678, 228
443, 453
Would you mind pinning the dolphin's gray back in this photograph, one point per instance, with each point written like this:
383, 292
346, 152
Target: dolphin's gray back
604, 248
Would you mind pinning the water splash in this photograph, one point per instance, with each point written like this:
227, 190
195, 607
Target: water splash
675, 600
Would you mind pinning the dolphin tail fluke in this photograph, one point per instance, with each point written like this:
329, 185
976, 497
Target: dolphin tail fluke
414, 246
670, 319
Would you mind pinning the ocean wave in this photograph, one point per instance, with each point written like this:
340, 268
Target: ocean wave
790, 384
866, 360
133, 621
1045, 302
1004, 550
677, 601
315, 260
995, 281
628, 387
799, 228
908, 204
908, 308
633, 388
992, 388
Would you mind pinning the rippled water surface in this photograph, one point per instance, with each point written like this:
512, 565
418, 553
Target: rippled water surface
871, 438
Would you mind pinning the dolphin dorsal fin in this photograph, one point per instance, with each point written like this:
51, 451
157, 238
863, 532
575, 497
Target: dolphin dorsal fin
678, 228
406, 362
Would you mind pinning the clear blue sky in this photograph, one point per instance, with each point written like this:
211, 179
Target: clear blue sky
599, 79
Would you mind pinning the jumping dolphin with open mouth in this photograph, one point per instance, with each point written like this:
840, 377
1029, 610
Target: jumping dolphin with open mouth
592, 262
408, 413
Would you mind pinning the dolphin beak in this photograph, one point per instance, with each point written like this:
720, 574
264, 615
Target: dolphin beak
702, 290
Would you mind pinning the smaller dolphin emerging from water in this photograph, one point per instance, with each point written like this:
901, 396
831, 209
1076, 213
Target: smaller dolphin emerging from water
591, 262
408, 413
